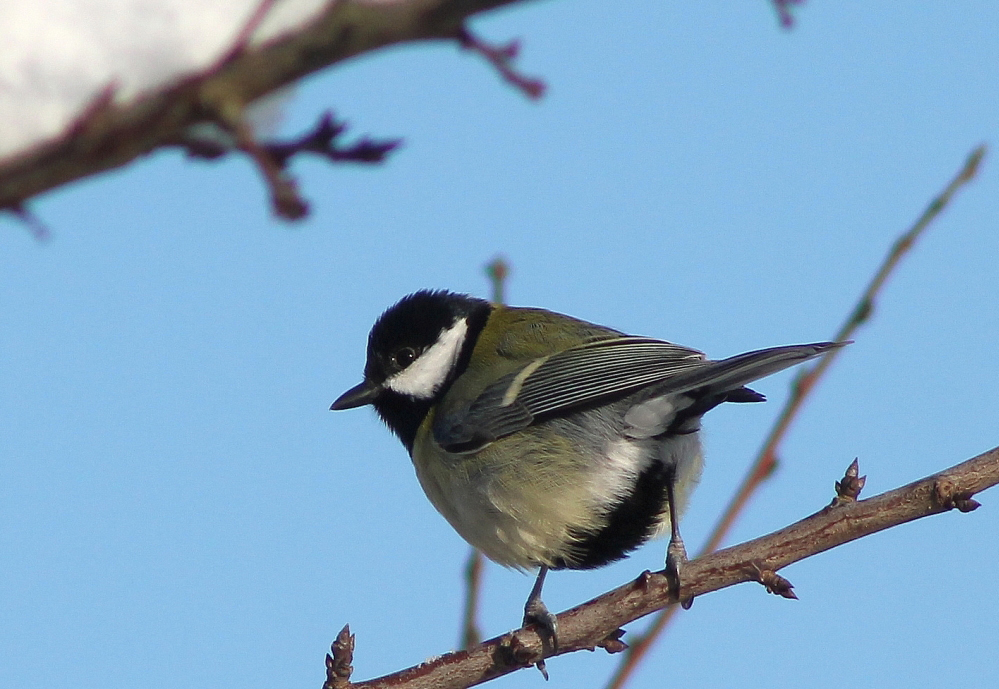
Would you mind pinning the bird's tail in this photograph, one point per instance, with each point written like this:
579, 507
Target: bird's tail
737, 371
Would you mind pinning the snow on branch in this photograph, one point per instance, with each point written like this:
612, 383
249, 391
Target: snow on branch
112, 132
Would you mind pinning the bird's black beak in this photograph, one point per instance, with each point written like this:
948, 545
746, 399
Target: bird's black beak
357, 396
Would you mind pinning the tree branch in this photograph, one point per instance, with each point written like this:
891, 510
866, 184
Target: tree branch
501, 58
109, 134
785, 11
802, 386
597, 623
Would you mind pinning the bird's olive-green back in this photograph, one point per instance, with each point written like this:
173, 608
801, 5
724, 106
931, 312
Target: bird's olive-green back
512, 339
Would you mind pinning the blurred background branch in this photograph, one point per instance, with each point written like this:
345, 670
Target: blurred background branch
801, 387
497, 271
108, 134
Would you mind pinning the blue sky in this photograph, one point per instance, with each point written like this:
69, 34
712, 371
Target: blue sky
178, 507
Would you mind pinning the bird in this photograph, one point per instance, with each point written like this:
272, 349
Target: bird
546, 441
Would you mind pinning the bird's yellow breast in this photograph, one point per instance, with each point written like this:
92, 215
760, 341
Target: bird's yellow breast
522, 500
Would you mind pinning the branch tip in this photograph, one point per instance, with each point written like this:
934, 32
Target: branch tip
612, 643
322, 141
501, 57
498, 270
338, 665
848, 488
285, 199
773, 582
272, 158
785, 11
471, 635
966, 504
36, 228
948, 497
971, 165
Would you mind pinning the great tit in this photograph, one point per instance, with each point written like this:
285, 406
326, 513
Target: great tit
548, 442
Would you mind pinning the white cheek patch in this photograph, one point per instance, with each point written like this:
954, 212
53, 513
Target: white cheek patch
425, 376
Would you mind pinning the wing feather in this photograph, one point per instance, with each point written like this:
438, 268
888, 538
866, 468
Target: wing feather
593, 371
602, 371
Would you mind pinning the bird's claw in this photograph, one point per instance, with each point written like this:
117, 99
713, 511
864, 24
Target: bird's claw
676, 558
537, 613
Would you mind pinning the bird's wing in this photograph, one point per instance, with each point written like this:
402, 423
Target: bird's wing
599, 372
589, 373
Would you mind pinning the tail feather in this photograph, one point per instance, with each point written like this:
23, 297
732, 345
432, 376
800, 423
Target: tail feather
744, 395
733, 373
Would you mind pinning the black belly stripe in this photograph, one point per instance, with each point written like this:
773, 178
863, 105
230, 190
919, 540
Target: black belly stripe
630, 524
633, 521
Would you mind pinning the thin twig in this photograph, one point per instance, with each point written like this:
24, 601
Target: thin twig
323, 141
803, 384
36, 228
285, 199
245, 35
339, 659
115, 132
497, 270
272, 157
501, 57
471, 635
785, 11
597, 622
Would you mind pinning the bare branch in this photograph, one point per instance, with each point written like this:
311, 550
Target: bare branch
848, 488
322, 141
272, 157
772, 582
803, 384
785, 11
109, 134
498, 270
245, 34
35, 227
501, 57
284, 189
339, 659
470, 632
597, 623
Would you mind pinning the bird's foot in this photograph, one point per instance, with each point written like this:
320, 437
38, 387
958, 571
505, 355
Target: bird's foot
537, 613
676, 558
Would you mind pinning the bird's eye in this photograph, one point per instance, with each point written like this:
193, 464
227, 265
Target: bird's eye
404, 356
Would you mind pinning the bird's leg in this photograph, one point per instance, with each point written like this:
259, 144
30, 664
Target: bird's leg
676, 554
535, 612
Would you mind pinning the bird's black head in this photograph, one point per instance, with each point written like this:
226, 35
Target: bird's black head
415, 350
